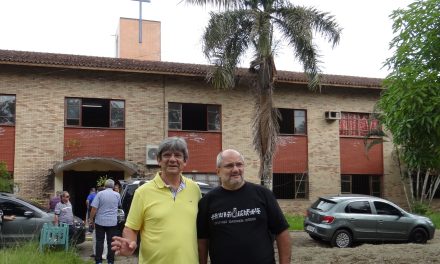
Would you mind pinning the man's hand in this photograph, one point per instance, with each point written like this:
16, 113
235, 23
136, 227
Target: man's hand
123, 246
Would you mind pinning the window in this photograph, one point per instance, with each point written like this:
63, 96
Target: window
292, 122
7, 109
361, 184
323, 205
86, 112
13, 208
386, 209
356, 124
197, 117
290, 185
360, 207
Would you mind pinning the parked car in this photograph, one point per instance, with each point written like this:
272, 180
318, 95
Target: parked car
29, 219
344, 219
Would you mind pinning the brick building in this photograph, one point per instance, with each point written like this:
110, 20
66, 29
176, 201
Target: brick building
66, 120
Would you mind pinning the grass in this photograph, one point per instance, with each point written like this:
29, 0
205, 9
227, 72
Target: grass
435, 217
295, 221
29, 253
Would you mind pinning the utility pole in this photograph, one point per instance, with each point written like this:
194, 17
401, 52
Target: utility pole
140, 17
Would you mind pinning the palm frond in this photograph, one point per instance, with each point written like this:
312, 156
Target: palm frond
298, 25
226, 39
225, 4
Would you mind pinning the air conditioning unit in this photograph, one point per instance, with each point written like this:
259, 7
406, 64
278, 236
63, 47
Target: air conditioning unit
152, 154
332, 115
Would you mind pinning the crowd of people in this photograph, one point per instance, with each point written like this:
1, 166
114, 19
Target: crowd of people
101, 216
236, 222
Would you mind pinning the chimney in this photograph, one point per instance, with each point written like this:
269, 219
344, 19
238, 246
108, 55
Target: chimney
127, 41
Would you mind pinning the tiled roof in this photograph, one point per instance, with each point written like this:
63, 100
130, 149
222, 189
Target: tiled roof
13, 57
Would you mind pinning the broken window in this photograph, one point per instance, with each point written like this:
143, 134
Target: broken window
292, 121
290, 185
7, 109
196, 117
92, 112
361, 184
357, 124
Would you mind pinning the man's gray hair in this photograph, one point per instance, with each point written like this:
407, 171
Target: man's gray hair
220, 157
173, 144
109, 183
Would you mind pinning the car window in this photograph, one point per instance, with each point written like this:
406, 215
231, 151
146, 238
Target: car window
127, 197
39, 206
359, 207
386, 209
323, 204
13, 208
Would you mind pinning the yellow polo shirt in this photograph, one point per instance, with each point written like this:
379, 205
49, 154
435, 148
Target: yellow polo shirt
167, 225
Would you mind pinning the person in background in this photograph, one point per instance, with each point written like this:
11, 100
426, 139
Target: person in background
54, 200
117, 188
238, 221
5, 217
89, 201
164, 212
104, 251
105, 207
64, 213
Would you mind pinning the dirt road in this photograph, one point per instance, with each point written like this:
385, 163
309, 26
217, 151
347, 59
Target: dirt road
306, 250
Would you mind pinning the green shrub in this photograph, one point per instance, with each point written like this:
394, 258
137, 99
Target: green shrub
421, 208
6, 180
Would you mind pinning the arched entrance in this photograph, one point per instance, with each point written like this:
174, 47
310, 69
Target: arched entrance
78, 175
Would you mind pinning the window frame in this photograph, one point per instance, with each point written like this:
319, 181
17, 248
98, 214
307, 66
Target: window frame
294, 112
357, 119
108, 102
179, 108
294, 183
371, 180
14, 113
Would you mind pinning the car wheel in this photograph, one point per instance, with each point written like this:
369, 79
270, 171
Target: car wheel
342, 239
314, 237
419, 236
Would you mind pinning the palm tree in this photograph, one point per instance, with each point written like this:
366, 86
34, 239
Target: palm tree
251, 24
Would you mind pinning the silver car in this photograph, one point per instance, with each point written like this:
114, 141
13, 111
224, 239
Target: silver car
29, 219
344, 219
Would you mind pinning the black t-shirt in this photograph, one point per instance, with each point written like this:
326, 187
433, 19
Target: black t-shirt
240, 225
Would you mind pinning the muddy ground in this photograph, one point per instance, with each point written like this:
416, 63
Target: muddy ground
306, 250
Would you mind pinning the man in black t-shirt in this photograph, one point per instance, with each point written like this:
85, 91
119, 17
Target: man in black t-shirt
238, 221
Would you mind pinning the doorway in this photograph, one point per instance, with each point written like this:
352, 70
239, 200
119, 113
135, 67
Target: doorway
78, 184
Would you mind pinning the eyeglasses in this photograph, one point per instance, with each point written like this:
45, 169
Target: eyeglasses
66, 196
230, 166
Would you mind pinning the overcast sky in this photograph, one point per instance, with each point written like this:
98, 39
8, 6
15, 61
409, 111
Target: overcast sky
88, 27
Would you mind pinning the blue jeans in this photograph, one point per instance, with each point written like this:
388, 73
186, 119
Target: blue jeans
101, 231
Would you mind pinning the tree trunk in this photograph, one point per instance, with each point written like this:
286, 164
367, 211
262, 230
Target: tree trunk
265, 126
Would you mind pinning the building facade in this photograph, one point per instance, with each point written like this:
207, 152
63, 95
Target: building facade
67, 120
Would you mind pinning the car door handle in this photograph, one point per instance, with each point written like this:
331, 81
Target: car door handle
380, 221
352, 220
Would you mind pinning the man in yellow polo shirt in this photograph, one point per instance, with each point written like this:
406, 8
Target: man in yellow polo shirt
164, 211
